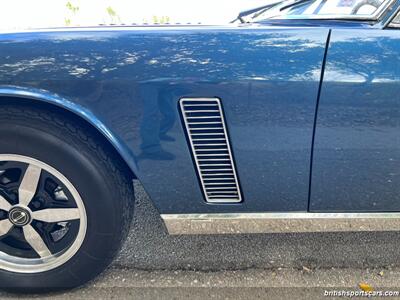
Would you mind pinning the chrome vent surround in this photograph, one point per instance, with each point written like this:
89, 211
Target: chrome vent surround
205, 127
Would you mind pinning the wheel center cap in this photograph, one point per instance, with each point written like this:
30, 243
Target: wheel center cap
19, 216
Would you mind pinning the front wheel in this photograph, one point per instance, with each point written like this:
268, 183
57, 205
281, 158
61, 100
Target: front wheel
65, 200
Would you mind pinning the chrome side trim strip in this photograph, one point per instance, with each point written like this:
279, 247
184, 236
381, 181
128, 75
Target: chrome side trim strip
238, 223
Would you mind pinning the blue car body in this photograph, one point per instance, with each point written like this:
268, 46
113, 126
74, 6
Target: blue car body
312, 107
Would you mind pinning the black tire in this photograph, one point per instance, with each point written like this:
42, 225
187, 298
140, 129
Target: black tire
98, 174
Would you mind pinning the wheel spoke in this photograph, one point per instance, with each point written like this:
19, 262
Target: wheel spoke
52, 215
4, 204
5, 226
34, 239
29, 184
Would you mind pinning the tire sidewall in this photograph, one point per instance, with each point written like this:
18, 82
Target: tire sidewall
62, 151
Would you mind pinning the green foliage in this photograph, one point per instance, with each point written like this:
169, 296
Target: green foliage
72, 11
114, 18
161, 20
113, 15
72, 8
111, 12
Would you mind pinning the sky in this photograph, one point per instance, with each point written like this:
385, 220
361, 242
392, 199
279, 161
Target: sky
24, 14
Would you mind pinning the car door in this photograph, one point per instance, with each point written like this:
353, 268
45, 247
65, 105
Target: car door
356, 160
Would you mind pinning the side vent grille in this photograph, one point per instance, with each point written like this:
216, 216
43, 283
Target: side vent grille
205, 127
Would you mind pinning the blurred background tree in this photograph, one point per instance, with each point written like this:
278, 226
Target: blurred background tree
161, 20
114, 17
58, 13
72, 11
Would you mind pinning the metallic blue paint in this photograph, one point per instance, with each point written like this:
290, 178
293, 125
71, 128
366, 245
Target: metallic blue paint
131, 79
21, 93
127, 82
356, 165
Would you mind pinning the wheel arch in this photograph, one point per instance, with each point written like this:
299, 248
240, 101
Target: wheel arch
73, 110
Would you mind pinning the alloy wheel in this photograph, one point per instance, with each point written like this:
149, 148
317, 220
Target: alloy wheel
43, 220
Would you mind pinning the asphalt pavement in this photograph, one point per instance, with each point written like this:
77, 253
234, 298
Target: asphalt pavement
304, 284
149, 247
154, 265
